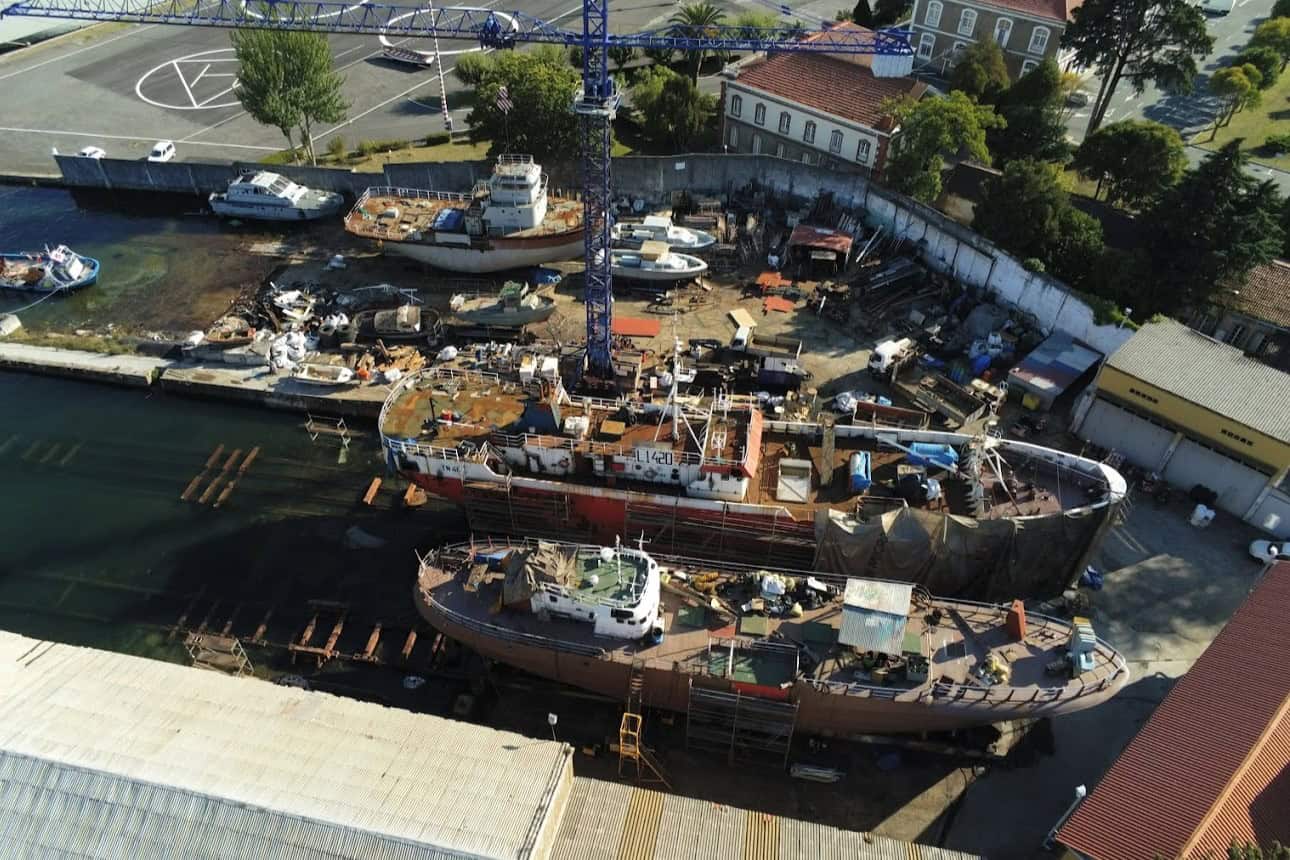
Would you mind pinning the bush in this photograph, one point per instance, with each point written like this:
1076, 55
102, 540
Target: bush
438, 138
368, 148
336, 148
286, 156
1278, 144
1033, 264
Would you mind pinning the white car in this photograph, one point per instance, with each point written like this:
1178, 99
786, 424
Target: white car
1270, 550
91, 152
162, 150
1217, 7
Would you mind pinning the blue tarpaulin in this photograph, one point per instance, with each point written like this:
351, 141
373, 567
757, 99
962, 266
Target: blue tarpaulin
449, 220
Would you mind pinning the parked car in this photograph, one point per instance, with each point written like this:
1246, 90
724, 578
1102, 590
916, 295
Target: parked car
1270, 550
1217, 7
91, 152
162, 150
1077, 99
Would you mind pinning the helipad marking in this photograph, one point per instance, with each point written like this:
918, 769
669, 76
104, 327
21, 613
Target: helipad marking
181, 68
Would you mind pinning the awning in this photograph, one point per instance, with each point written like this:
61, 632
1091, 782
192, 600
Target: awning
820, 238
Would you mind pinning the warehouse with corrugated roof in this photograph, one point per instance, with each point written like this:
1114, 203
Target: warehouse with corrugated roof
1197, 412
105, 755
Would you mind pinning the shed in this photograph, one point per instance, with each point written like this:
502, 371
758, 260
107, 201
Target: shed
1051, 369
874, 613
836, 244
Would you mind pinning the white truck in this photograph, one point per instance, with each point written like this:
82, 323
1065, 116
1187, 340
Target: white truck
888, 354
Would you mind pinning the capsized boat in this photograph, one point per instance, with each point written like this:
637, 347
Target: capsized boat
266, 196
515, 306
510, 221
659, 228
654, 261
322, 374
824, 654
50, 271
406, 323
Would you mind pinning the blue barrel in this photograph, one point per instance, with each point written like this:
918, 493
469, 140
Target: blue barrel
929, 454
980, 364
859, 475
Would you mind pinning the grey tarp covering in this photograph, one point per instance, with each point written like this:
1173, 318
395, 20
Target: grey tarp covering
955, 556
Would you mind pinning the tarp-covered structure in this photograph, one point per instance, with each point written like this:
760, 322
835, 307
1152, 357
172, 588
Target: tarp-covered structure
528, 569
957, 556
1052, 368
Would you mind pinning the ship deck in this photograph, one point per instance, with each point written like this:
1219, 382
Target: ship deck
756, 649
417, 211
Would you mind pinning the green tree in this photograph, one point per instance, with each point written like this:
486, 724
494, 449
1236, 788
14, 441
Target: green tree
287, 79
1032, 109
317, 86
889, 12
1285, 228
541, 85
696, 19
930, 129
1135, 160
1208, 231
1141, 41
1274, 34
672, 109
1238, 87
1027, 211
1281, 9
262, 76
980, 71
862, 14
1263, 58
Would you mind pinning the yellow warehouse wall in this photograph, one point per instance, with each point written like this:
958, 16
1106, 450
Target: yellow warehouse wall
1200, 422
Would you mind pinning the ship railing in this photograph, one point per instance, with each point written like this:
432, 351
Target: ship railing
515, 158
498, 632
434, 452
410, 194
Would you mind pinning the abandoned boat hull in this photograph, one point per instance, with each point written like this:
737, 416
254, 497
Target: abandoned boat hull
497, 256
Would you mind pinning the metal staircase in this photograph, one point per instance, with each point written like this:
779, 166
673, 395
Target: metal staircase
630, 749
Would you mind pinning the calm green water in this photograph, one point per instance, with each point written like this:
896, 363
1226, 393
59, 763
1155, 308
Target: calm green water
164, 265
96, 547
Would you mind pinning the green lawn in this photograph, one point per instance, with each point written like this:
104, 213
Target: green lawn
461, 150
1272, 116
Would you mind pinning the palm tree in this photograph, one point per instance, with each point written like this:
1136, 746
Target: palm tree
695, 19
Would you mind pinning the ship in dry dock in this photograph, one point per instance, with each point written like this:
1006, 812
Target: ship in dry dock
823, 654
510, 221
723, 477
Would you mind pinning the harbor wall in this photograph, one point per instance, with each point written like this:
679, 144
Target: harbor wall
943, 244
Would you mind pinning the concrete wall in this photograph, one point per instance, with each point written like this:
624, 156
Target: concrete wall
943, 244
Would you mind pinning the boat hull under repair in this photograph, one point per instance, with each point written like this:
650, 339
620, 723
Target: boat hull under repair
498, 255
819, 711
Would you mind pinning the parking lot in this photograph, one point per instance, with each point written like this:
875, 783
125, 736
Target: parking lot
123, 88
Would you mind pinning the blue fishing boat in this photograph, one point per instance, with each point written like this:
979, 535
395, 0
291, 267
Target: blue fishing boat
51, 271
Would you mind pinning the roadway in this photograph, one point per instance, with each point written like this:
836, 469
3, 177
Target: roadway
124, 88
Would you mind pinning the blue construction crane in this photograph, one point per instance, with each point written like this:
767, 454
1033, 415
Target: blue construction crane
595, 104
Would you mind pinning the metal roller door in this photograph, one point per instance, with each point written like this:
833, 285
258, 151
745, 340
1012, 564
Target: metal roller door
1141, 442
1237, 485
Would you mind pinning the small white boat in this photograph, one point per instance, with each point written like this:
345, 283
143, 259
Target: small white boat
322, 374
659, 228
654, 262
267, 196
60, 269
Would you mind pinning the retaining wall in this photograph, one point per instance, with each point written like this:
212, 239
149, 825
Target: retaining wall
944, 244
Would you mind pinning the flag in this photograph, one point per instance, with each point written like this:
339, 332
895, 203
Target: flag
504, 103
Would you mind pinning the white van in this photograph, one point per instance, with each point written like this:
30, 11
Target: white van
742, 336
887, 353
162, 150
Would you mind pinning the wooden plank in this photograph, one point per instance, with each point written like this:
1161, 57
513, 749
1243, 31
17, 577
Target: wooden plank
241, 471
67, 458
372, 490
200, 476
221, 477
369, 651
53, 451
262, 628
408, 645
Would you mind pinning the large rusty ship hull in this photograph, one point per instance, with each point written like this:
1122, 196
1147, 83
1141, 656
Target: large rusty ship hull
495, 255
819, 711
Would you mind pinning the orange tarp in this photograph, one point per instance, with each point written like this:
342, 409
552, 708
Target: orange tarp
636, 326
776, 303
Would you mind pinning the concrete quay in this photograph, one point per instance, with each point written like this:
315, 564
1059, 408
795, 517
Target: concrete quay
250, 385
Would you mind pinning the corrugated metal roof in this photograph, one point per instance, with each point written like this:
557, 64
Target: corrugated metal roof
1221, 378
874, 615
50, 810
607, 821
1211, 763
207, 738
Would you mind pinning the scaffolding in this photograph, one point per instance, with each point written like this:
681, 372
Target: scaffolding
645, 768
320, 425
745, 729
218, 654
